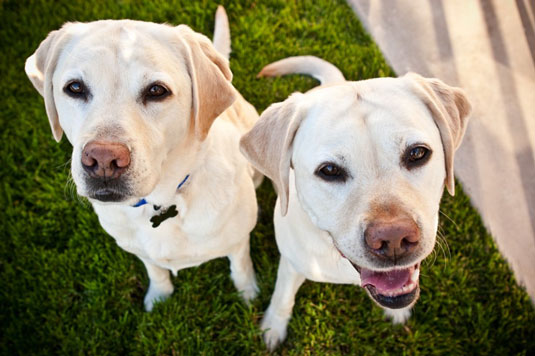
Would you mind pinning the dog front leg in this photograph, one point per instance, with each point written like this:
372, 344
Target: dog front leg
160, 287
277, 315
242, 272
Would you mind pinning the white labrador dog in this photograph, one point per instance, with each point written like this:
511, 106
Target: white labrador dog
139, 101
359, 168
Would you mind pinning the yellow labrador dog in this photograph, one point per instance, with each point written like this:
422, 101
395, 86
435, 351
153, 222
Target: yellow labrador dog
139, 101
359, 168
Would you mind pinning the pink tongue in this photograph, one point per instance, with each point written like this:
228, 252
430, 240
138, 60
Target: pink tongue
385, 281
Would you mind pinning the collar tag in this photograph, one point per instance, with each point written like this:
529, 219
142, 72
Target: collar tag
170, 212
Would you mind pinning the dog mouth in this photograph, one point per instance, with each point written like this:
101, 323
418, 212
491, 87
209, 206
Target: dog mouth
108, 195
393, 289
107, 190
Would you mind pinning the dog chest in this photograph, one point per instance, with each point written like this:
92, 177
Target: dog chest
170, 245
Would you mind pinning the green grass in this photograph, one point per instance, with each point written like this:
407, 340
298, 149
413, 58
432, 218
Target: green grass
66, 288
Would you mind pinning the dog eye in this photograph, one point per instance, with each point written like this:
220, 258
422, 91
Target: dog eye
416, 156
417, 153
156, 92
76, 89
331, 172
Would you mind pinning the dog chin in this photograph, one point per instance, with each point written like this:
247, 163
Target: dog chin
109, 196
106, 190
394, 289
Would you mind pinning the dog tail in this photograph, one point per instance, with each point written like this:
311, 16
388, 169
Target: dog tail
316, 67
222, 32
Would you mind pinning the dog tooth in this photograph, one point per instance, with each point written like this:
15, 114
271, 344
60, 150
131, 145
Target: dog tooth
402, 290
415, 275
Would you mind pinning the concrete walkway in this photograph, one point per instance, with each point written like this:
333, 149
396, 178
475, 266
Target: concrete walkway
488, 48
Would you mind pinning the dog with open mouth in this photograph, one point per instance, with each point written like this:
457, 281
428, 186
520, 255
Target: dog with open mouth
155, 124
359, 168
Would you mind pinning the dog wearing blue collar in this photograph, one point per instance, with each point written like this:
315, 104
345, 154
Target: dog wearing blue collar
155, 124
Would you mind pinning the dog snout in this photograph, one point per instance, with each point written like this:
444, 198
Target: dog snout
392, 239
105, 159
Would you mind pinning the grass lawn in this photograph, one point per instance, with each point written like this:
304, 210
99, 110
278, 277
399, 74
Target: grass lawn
67, 288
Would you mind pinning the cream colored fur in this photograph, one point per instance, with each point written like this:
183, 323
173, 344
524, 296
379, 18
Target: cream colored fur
195, 131
364, 127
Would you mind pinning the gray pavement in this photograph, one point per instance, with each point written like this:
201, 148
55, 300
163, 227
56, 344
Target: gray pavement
488, 48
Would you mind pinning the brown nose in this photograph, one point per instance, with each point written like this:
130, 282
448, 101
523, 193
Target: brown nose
105, 159
393, 238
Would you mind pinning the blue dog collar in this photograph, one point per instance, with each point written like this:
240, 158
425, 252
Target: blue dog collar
143, 201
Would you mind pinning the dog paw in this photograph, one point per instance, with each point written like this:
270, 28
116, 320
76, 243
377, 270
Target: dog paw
157, 293
274, 331
398, 316
249, 293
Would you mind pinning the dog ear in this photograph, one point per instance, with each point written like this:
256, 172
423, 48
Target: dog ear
40, 68
212, 91
450, 108
269, 144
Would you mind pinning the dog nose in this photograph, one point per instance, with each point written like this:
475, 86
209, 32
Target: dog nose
105, 159
392, 239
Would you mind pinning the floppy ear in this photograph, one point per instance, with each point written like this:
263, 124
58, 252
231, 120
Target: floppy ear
40, 68
450, 109
212, 91
269, 144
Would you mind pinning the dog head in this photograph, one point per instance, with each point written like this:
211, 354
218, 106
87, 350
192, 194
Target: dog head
128, 95
370, 161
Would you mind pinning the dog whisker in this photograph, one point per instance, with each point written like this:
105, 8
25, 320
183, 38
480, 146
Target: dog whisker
429, 262
441, 244
64, 165
444, 242
450, 219
70, 192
